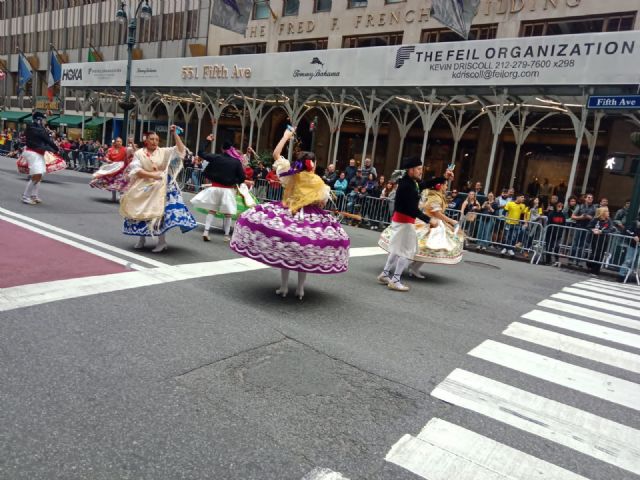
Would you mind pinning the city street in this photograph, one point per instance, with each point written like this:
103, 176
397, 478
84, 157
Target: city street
124, 364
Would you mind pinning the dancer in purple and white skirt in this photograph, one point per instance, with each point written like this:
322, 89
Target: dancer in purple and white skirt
296, 234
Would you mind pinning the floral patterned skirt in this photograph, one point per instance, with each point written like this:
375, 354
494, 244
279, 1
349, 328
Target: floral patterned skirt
112, 183
310, 241
176, 214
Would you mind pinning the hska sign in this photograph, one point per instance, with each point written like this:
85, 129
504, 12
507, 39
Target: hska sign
72, 74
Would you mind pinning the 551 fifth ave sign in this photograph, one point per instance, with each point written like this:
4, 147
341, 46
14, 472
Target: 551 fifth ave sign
585, 59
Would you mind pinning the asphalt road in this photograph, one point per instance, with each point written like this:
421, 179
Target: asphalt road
215, 377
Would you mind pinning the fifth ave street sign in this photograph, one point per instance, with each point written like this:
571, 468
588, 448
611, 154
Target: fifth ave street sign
628, 102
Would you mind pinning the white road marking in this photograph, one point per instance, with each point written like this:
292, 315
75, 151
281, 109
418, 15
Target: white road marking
444, 451
602, 296
613, 293
575, 346
38, 293
607, 387
592, 314
77, 245
625, 287
585, 328
323, 474
597, 304
90, 241
582, 431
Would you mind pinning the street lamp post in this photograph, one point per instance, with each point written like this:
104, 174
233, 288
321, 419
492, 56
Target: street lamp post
144, 9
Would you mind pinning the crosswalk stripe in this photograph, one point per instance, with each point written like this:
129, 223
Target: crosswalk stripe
444, 451
607, 387
586, 328
590, 313
608, 291
571, 427
597, 304
323, 474
626, 287
602, 296
575, 346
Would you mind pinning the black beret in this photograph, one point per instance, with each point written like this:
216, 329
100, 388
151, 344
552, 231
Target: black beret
38, 116
410, 162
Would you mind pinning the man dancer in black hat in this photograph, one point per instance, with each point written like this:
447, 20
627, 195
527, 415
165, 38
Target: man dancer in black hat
38, 141
224, 172
404, 240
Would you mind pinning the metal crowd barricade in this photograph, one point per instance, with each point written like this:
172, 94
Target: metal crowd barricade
190, 179
577, 245
486, 231
267, 191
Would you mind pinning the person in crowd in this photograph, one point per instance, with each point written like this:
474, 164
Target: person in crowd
533, 215
370, 185
554, 232
356, 182
65, 149
340, 185
533, 189
469, 211
388, 193
38, 142
330, 176
275, 188
569, 210
248, 172
401, 237
599, 226
351, 170
260, 172
196, 173
551, 206
561, 189
153, 204
369, 169
302, 236
632, 257
604, 202
514, 212
620, 218
582, 216
546, 189
381, 182
455, 202
489, 210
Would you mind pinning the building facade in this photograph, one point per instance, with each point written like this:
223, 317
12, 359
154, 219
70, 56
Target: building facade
547, 152
87, 30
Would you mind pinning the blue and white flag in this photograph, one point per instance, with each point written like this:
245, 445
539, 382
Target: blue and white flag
24, 73
457, 15
232, 15
54, 74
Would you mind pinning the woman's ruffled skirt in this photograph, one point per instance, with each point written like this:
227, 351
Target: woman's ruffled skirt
112, 183
176, 214
240, 203
310, 241
435, 244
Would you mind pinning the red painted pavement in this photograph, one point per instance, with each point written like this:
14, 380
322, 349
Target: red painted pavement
27, 257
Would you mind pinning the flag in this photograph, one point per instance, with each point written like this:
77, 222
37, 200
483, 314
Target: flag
54, 75
456, 15
273, 14
24, 73
232, 15
93, 55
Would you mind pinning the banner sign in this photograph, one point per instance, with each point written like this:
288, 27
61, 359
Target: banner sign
585, 59
614, 102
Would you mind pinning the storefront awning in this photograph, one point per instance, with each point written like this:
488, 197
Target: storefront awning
14, 116
66, 121
95, 122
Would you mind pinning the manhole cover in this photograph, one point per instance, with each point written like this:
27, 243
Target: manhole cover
482, 264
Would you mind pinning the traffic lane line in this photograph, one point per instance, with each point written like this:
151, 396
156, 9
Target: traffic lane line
30, 257
31, 295
82, 238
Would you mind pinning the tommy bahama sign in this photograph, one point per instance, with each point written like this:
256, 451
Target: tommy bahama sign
586, 59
